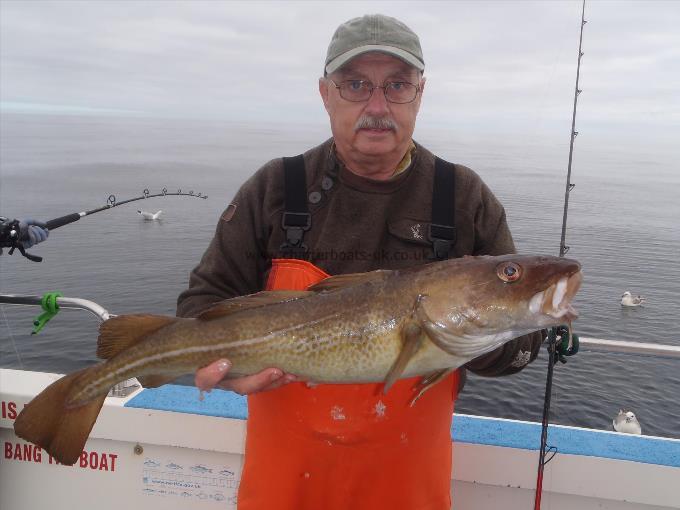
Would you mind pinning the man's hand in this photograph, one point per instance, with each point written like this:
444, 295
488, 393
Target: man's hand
214, 375
32, 232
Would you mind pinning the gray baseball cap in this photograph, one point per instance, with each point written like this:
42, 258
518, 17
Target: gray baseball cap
373, 32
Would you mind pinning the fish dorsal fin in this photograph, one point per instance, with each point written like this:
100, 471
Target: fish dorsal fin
237, 304
119, 333
342, 281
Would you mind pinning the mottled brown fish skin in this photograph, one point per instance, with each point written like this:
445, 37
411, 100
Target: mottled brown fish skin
353, 334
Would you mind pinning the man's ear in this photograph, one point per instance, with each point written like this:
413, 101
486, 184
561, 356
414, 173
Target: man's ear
323, 91
420, 94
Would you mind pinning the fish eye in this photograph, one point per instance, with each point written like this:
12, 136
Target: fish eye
508, 271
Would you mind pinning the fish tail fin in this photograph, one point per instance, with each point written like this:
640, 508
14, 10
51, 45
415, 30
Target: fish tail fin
123, 331
48, 422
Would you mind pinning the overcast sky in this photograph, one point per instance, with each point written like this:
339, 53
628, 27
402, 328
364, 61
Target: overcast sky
494, 66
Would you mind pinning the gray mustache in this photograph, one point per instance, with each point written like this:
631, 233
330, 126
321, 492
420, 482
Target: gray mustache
367, 122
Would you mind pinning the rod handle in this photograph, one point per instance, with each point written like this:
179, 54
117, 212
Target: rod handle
63, 220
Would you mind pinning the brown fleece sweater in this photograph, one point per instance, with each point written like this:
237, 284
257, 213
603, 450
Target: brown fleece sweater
358, 224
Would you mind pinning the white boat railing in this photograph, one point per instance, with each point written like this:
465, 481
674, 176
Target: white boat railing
120, 390
63, 302
628, 347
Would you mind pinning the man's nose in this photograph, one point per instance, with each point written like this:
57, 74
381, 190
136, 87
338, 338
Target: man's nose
377, 103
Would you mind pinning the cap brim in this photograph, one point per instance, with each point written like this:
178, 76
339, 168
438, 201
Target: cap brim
341, 60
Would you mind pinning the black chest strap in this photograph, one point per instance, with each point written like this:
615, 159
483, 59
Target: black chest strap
296, 219
443, 226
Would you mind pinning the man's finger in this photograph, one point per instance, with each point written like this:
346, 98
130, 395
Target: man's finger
207, 377
253, 383
37, 234
287, 378
32, 235
40, 224
30, 238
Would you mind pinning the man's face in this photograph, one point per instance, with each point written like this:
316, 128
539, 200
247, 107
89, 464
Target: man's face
345, 116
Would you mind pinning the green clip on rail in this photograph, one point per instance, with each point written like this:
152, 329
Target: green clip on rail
561, 335
50, 307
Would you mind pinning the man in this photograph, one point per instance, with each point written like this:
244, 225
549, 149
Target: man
368, 198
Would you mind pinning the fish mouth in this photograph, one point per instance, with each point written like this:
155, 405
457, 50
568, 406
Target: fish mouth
555, 301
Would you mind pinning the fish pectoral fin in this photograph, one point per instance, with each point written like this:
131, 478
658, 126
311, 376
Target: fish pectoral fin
118, 333
50, 423
434, 332
428, 382
238, 304
448, 341
463, 347
411, 334
342, 281
155, 380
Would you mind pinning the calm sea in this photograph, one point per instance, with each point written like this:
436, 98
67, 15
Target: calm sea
622, 227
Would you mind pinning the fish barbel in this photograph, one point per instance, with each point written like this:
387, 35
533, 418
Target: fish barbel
359, 328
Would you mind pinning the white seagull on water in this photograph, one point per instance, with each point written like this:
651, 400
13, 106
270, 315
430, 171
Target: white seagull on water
628, 300
150, 216
626, 422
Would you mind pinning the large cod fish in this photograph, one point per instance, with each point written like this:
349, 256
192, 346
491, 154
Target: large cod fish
358, 328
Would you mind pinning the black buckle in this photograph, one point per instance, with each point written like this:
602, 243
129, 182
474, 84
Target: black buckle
442, 238
442, 249
295, 225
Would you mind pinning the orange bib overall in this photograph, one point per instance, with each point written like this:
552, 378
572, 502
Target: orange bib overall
346, 446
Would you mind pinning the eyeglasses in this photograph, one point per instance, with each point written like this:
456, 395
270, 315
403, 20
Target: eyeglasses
357, 91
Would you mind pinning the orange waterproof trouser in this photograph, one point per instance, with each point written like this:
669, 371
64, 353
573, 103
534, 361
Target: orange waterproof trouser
346, 446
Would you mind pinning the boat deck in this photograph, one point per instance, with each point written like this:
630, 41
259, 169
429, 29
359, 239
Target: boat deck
165, 448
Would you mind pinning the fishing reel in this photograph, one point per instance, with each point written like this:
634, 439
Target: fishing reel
562, 342
10, 237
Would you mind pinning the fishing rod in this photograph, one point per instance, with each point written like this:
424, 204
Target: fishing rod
10, 232
111, 203
556, 351
577, 91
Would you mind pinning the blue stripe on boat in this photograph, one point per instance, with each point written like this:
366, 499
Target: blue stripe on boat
466, 429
